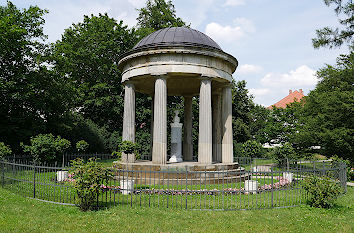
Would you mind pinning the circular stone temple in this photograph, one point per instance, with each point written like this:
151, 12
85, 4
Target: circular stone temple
180, 61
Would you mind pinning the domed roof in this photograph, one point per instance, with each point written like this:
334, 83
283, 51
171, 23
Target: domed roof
177, 36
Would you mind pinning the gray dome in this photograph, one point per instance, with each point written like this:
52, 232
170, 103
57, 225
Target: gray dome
177, 36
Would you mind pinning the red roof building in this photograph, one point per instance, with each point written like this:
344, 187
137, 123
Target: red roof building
292, 97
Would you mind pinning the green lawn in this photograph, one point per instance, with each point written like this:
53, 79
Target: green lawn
19, 214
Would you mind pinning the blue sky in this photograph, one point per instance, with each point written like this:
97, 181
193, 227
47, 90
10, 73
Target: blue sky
270, 38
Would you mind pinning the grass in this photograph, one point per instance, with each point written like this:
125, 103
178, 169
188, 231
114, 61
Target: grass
19, 214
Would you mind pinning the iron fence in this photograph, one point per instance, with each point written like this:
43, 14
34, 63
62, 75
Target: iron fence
176, 187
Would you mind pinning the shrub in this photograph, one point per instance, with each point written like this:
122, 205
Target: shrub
336, 160
281, 153
89, 180
322, 191
82, 146
45, 147
252, 149
127, 147
4, 150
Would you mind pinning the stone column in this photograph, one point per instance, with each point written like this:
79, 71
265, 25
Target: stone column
151, 124
217, 127
205, 124
227, 142
159, 148
129, 120
187, 131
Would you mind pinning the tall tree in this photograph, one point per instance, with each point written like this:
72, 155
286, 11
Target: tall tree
29, 95
335, 37
158, 14
328, 113
87, 57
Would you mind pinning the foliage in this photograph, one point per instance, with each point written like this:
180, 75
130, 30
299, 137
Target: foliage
158, 14
127, 147
46, 147
252, 149
89, 179
242, 103
322, 191
4, 150
87, 56
329, 37
31, 97
281, 153
327, 119
336, 160
82, 146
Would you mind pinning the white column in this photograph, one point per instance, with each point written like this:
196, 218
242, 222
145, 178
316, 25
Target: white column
217, 127
159, 149
227, 141
129, 120
187, 130
205, 124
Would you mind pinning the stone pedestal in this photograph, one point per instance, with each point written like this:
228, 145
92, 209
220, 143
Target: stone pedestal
127, 186
62, 175
176, 140
288, 176
251, 186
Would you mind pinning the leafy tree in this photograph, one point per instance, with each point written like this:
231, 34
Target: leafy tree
158, 14
252, 149
327, 117
329, 37
4, 150
284, 153
242, 103
20, 46
87, 57
259, 119
46, 147
82, 146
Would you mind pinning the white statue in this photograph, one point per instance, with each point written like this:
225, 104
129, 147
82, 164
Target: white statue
176, 139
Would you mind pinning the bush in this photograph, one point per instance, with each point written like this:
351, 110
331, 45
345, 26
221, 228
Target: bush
322, 191
4, 150
127, 147
281, 153
89, 181
45, 147
252, 149
82, 146
336, 160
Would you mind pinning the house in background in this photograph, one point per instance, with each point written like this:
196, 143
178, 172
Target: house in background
292, 97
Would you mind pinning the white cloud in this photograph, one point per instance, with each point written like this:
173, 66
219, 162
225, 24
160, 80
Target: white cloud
195, 12
245, 24
234, 3
249, 69
241, 28
224, 33
259, 91
303, 76
137, 3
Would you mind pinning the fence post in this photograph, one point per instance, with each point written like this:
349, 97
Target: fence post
3, 174
34, 179
271, 170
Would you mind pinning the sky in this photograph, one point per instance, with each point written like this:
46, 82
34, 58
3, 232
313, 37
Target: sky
271, 39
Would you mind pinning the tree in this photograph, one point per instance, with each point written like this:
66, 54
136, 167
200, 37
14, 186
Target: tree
329, 37
327, 115
242, 103
46, 147
5, 150
87, 57
158, 14
31, 96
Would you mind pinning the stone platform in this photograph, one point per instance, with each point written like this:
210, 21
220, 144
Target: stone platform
183, 173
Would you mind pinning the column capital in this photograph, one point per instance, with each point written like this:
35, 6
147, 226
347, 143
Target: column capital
204, 77
159, 75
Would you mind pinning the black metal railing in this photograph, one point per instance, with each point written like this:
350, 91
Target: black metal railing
176, 188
